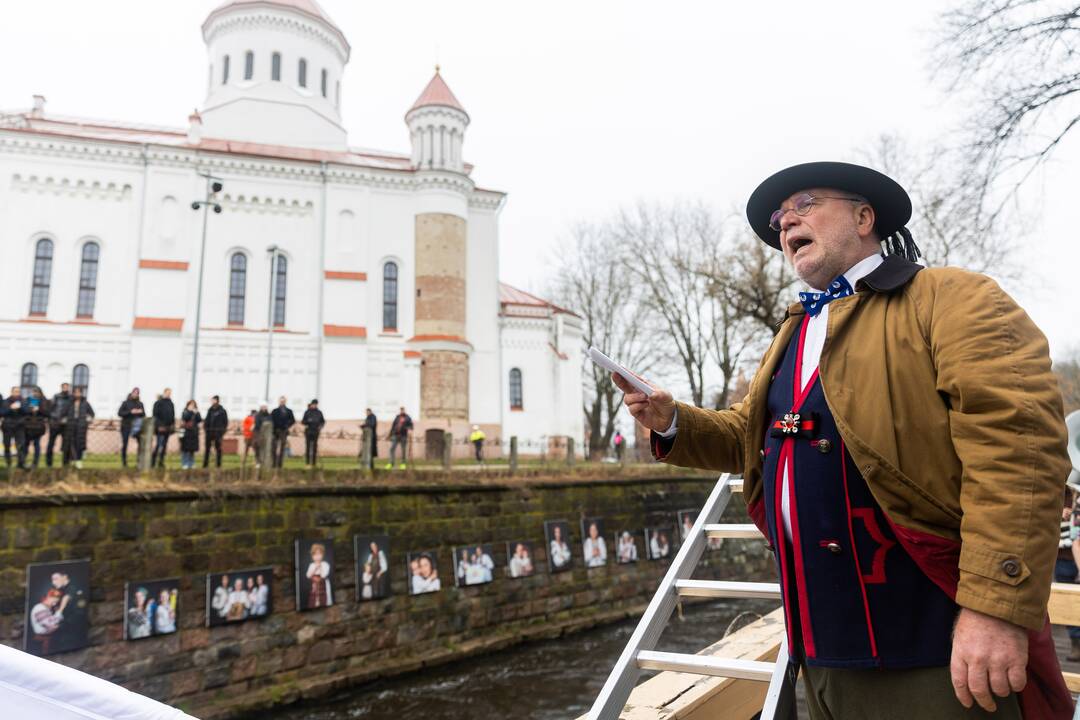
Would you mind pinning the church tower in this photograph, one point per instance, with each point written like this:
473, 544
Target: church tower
274, 76
437, 123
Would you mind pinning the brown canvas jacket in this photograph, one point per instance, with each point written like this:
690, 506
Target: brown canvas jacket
941, 388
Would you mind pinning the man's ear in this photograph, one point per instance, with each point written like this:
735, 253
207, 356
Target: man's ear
864, 220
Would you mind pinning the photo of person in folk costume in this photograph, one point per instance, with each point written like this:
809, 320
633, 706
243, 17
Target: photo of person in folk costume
903, 447
314, 566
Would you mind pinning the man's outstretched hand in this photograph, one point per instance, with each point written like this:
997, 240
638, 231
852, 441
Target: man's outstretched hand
989, 658
654, 412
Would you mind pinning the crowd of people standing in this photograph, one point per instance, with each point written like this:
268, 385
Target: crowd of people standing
28, 417
24, 421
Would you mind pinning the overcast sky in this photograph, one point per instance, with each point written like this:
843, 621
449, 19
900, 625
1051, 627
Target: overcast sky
577, 107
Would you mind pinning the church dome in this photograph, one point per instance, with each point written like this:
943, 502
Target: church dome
304, 7
275, 74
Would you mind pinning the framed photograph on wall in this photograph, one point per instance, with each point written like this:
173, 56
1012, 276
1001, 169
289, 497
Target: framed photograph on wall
424, 572
474, 564
686, 523
626, 547
151, 608
314, 570
239, 595
519, 559
593, 545
658, 542
557, 535
57, 607
372, 554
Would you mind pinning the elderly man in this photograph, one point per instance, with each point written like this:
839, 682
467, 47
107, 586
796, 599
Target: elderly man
903, 447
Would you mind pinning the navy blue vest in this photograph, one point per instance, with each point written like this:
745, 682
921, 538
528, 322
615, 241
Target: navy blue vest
853, 597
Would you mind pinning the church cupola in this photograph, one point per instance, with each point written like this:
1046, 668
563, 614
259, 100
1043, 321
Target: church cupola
437, 123
275, 74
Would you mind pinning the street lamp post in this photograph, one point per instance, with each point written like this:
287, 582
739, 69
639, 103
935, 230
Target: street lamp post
273, 250
213, 187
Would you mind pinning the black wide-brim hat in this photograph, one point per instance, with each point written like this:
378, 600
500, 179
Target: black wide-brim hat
892, 206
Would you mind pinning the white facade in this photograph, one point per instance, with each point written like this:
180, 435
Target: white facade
339, 217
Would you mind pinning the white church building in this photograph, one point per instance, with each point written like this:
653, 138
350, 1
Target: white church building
378, 272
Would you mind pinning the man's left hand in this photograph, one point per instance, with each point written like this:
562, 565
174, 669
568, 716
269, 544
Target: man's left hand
989, 657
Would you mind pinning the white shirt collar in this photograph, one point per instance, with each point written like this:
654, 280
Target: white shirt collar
859, 270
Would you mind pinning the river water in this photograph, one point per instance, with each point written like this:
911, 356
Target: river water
544, 680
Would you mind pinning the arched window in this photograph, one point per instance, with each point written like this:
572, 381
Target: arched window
80, 378
88, 280
237, 288
279, 291
275, 66
515, 390
389, 296
249, 65
39, 294
225, 70
28, 377
325, 80
302, 80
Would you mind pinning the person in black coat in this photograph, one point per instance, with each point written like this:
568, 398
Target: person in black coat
190, 420
313, 422
131, 415
164, 413
57, 424
35, 422
217, 422
283, 419
79, 415
370, 421
12, 427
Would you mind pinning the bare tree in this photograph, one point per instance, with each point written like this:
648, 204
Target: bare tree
590, 279
660, 246
1068, 375
948, 220
1018, 62
759, 283
747, 282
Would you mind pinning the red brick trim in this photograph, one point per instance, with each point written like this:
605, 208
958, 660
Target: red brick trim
162, 265
345, 275
352, 331
411, 354
155, 323
517, 408
445, 338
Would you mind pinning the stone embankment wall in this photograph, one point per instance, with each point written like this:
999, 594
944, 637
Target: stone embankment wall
222, 671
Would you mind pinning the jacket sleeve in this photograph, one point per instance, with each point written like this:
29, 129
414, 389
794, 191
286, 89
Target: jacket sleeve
1007, 425
706, 439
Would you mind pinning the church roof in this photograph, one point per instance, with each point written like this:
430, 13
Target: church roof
437, 92
311, 8
111, 131
518, 302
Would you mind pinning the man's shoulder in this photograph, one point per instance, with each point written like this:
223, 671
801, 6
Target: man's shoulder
935, 279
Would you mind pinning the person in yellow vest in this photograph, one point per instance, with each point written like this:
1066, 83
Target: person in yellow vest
477, 439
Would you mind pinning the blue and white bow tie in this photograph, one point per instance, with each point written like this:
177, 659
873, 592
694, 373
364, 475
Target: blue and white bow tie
814, 302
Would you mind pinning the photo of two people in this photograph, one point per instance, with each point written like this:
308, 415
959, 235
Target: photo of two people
474, 565
57, 596
151, 608
372, 566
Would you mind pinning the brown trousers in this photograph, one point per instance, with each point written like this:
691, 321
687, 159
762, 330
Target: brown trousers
868, 694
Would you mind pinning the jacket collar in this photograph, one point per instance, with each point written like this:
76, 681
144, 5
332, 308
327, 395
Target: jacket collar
893, 273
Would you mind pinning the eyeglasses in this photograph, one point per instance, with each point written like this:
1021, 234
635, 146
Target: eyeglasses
802, 205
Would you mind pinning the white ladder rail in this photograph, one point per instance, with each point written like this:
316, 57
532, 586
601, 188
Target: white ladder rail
639, 653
